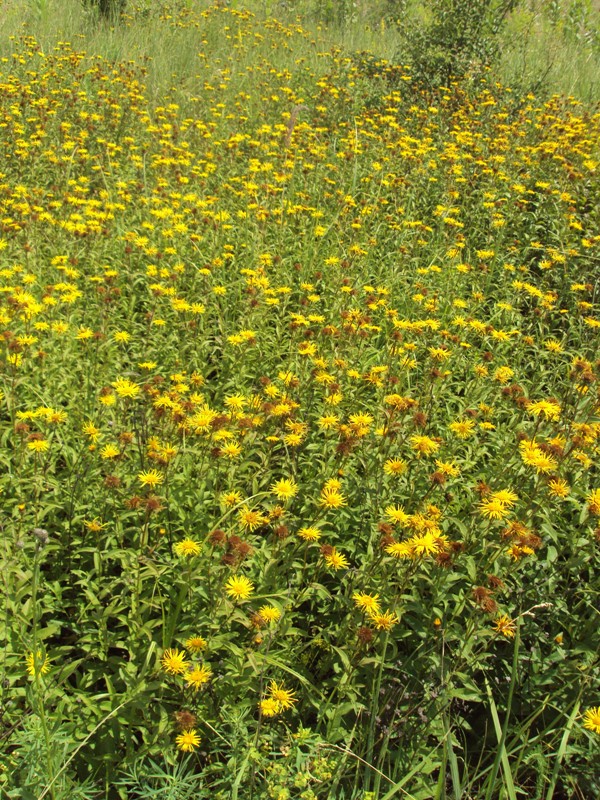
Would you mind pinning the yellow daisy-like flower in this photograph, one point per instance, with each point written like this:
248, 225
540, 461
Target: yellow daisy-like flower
38, 445
269, 613
400, 550
505, 496
231, 498
309, 534
173, 661
506, 626
593, 501
425, 545
126, 388
151, 478
239, 587
197, 676
187, 548
110, 451
37, 663
188, 741
384, 620
424, 445
395, 466
397, 514
195, 644
269, 707
282, 696
251, 520
463, 429
558, 487
591, 719
336, 560
332, 498
231, 450
493, 508
285, 489
550, 409
366, 602
503, 375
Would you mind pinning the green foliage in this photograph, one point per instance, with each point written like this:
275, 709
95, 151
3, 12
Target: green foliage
299, 422
108, 9
452, 38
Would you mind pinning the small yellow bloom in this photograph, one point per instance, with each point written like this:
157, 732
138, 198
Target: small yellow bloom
188, 741
591, 719
197, 676
187, 548
195, 644
151, 478
37, 663
366, 602
285, 489
506, 626
173, 661
239, 587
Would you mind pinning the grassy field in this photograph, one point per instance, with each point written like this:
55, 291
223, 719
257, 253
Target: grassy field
300, 412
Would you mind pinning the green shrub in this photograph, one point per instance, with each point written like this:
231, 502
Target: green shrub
452, 37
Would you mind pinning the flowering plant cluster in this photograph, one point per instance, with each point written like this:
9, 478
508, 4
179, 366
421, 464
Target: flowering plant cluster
304, 389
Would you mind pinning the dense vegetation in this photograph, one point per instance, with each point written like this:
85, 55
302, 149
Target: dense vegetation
299, 419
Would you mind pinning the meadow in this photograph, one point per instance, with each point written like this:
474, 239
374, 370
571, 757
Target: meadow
299, 416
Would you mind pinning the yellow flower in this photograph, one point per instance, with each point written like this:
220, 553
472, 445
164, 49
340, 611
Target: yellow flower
231, 498
424, 445
125, 388
195, 644
533, 455
505, 496
503, 375
310, 534
251, 520
462, 428
400, 550
336, 560
269, 707
550, 409
187, 548
110, 451
328, 421
188, 741
366, 602
505, 626
397, 514
493, 508
395, 466
558, 487
591, 719
269, 613
593, 501
283, 697
239, 587
173, 661
425, 545
284, 489
37, 663
197, 676
151, 478
38, 445
448, 468
91, 430
231, 450
332, 498
384, 620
